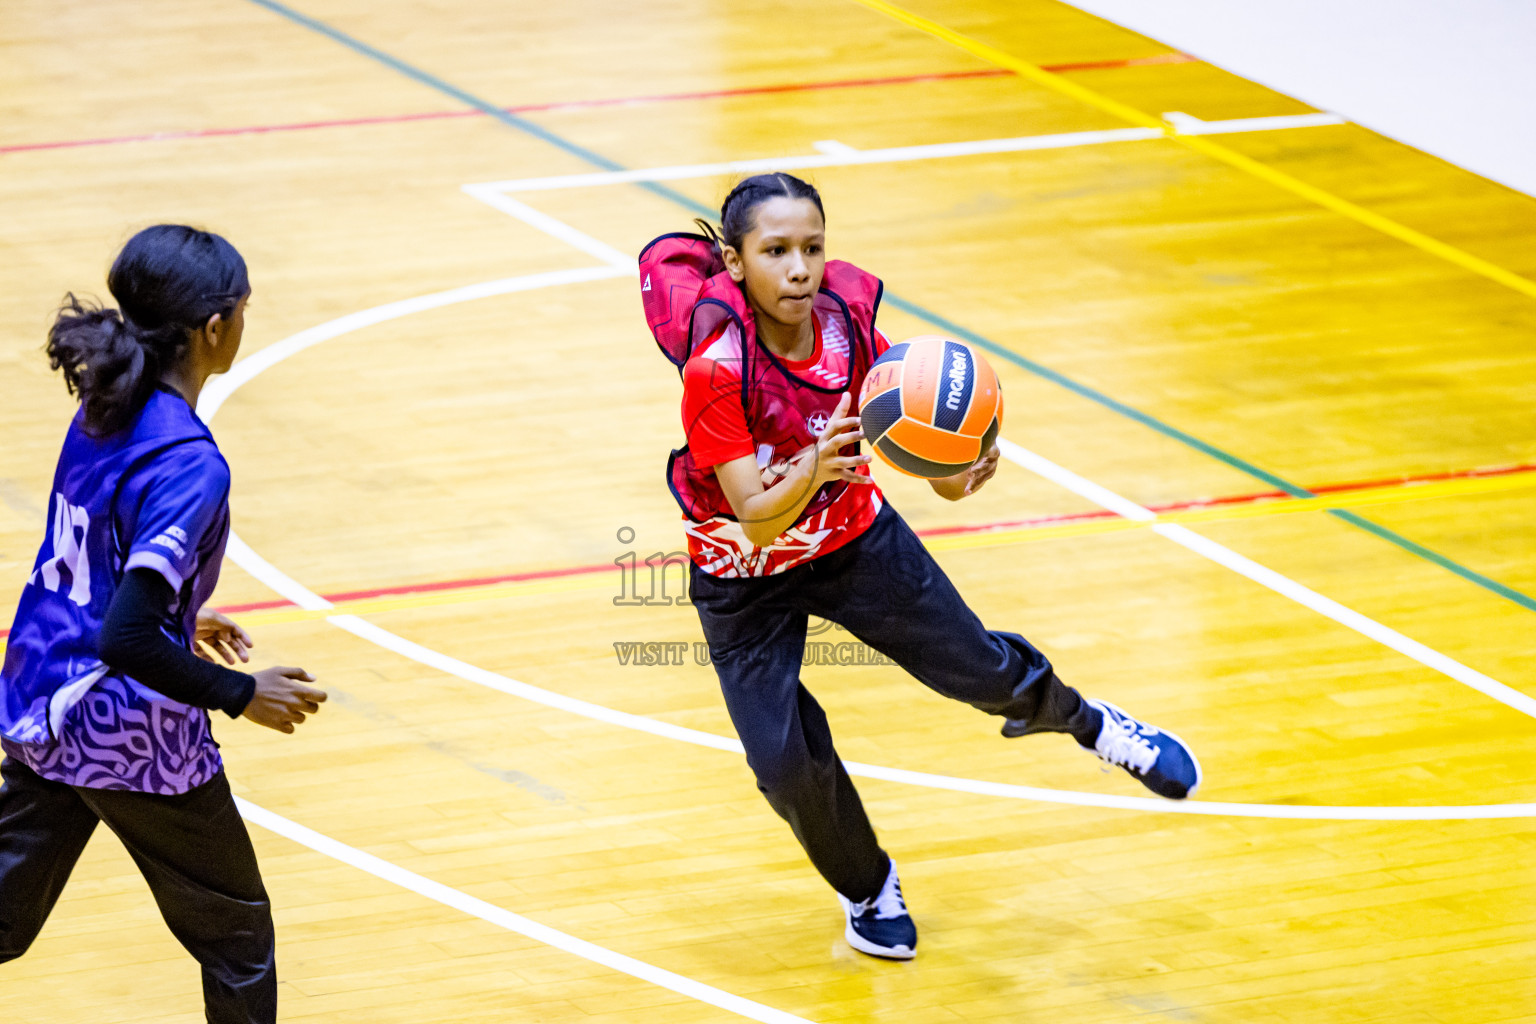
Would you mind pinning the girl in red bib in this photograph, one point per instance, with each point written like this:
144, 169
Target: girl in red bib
784, 522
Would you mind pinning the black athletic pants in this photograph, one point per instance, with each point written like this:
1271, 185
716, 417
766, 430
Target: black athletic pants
888, 591
195, 854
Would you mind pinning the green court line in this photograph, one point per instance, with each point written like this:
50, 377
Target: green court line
1041, 370
1240, 464
1471, 575
1023, 362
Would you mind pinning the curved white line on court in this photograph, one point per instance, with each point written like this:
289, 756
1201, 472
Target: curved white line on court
462, 901
640, 723
219, 389
1121, 506
1267, 577
275, 579
212, 398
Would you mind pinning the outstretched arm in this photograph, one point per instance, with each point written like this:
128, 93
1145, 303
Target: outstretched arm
953, 488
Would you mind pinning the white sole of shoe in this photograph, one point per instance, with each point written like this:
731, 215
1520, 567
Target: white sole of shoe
1199, 774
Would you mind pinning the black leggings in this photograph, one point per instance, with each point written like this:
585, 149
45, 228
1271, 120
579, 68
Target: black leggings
888, 591
195, 854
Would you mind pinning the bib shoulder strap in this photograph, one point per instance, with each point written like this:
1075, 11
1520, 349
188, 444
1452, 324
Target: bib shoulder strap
859, 293
860, 289
673, 272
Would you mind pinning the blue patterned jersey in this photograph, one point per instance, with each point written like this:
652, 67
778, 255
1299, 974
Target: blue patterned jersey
154, 495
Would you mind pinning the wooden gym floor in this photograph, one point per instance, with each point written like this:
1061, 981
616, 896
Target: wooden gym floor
1327, 328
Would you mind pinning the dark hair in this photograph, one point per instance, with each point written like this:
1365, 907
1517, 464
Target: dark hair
738, 214
168, 281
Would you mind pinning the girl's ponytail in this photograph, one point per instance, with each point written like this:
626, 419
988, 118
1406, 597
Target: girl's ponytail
169, 280
103, 362
708, 231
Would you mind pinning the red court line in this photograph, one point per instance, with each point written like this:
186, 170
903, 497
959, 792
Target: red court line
1427, 478
1243, 499
530, 108
941, 531
1132, 62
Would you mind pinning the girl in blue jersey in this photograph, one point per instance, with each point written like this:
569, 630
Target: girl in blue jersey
107, 680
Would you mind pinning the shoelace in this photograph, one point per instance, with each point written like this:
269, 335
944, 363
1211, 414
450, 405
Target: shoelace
888, 904
1122, 744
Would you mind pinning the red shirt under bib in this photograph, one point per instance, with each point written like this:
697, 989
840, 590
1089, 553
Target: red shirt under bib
717, 432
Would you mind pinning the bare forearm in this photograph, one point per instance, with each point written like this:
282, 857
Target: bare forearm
765, 510
951, 488
764, 516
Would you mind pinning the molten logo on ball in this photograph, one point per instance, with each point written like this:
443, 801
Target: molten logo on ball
957, 370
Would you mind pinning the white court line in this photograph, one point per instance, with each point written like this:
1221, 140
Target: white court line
1264, 576
450, 897
269, 575
898, 154
836, 154
1184, 124
833, 147
474, 674
279, 582
221, 388
213, 397
1105, 498
551, 226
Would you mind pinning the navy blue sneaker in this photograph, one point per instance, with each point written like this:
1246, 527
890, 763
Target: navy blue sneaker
881, 926
1157, 759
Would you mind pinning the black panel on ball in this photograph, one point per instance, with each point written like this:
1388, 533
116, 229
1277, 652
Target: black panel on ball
880, 414
990, 437
916, 465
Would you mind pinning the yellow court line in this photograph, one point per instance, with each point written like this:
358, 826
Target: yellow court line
1390, 494
1215, 150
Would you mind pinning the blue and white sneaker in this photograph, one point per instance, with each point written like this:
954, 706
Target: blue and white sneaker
881, 926
1157, 759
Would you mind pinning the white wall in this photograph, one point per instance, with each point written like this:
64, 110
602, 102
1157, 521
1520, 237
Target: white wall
1456, 78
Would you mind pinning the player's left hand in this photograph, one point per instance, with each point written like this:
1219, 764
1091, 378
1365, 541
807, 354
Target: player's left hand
220, 634
981, 471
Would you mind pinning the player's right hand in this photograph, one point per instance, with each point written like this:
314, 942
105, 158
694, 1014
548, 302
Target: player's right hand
282, 700
842, 430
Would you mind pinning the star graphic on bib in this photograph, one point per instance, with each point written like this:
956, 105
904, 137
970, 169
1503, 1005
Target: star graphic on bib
816, 422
